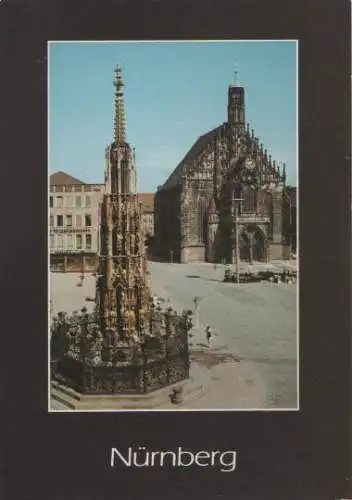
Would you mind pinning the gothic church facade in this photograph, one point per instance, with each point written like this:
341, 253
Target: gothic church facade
226, 183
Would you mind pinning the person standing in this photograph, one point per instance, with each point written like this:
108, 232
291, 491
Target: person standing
208, 334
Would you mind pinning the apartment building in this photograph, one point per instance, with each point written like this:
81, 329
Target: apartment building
74, 223
147, 200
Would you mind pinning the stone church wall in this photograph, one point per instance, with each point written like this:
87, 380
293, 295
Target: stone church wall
278, 251
193, 253
227, 158
167, 224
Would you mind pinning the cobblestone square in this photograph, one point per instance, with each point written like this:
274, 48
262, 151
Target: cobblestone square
252, 360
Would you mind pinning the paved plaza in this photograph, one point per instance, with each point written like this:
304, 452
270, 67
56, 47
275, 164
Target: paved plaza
252, 360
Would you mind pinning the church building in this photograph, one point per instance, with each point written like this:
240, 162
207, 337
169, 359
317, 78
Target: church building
226, 184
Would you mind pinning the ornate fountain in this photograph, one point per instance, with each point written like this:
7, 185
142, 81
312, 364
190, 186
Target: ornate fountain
127, 345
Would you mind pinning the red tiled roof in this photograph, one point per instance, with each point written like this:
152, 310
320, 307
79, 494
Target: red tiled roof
61, 178
147, 200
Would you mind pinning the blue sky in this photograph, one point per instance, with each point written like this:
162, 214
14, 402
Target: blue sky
174, 92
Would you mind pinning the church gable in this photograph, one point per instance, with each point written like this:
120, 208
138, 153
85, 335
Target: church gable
192, 161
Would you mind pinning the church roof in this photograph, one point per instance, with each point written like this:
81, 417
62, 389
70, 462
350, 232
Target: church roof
147, 200
176, 176
187, 163
61, 178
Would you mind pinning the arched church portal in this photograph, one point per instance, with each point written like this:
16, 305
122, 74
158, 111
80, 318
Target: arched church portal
253, 244
259, 245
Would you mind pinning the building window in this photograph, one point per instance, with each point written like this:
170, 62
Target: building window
60, 241
87, 188
87, 201
79, 220
52, 241
51, 220
69, 220
51, 202
88, 241
69, 242
69, 201
59, 202
68, 188
88, 220
78, 201
77, 188
78, 242
60, 220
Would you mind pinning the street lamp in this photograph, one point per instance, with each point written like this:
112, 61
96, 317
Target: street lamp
249, 179
196, 301
80, 283
236, 203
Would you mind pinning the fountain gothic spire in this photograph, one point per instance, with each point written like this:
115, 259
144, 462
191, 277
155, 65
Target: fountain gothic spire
120, 119
122, 296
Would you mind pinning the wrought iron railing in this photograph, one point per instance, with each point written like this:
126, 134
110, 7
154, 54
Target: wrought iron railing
95, 363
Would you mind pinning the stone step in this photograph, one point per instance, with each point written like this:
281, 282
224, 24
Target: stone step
65, 389
62, 398
194, 388
58, 406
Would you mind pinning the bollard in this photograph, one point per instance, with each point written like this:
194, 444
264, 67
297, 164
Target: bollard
176, 396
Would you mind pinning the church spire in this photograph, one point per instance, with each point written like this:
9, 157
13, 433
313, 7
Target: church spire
120, 122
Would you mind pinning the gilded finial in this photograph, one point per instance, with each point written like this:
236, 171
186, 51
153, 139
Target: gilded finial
236, 75
118, 80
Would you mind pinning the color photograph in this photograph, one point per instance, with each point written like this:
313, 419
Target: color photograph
173, 242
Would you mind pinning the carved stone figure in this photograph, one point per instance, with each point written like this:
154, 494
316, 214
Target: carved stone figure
95, 348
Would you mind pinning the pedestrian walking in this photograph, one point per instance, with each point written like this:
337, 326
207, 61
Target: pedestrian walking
208, 334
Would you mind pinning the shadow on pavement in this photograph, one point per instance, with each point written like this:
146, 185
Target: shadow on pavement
201, 278
211, 358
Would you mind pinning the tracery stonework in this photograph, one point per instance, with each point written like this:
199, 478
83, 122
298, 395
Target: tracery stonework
195, 207
128, 345
122, 292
